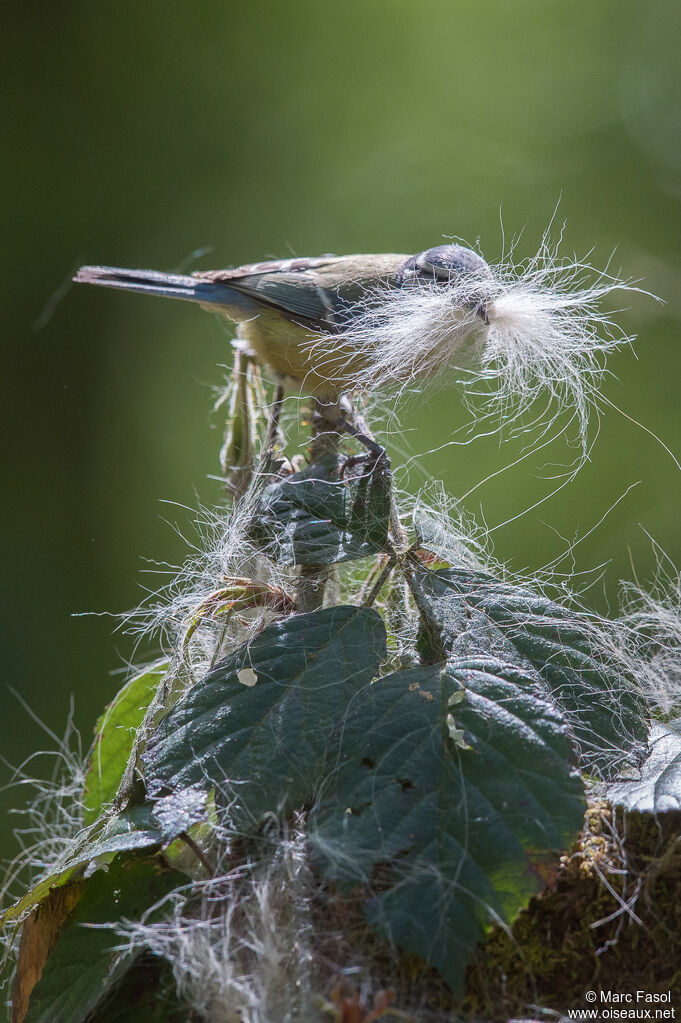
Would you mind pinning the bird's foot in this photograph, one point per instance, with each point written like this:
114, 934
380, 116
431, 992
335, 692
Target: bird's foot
377, 459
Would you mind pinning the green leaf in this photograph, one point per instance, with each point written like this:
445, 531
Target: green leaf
39, 891
134, 828
131, 830
146, 994
658, 786
83, 965
465, 611
316, 517
114, 737
445, 838
265, 747
180, 811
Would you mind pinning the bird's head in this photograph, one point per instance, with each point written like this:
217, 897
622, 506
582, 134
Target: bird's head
451, 265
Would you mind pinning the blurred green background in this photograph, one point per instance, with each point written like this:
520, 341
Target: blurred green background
138, 133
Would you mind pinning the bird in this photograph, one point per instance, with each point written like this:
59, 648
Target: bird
282, 305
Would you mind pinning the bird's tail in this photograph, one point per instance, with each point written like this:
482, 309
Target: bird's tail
154, 282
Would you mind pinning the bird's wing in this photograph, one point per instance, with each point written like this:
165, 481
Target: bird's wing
324, 291
290, 285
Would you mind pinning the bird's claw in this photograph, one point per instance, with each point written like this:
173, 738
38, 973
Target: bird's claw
377, 458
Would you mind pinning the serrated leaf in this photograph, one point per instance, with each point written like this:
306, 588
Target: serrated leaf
658, 786
128, 831
464, 610
316, 517
84, 964
264, 747
452, 837
114, 737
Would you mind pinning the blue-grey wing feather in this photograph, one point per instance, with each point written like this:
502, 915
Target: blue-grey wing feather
286, 284
323, 291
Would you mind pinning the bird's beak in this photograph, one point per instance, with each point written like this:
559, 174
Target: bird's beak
479, 307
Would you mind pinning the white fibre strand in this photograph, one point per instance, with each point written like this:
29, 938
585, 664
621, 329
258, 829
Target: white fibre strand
51, 819
239, 943
220, 553
649, 631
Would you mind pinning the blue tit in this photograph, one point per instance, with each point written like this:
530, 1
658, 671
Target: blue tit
283, 305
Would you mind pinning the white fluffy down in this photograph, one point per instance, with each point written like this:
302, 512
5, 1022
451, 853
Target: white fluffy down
547, 334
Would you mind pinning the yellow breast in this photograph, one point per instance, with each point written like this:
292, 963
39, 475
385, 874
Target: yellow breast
287, 348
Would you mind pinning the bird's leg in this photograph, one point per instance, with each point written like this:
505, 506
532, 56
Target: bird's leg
376, 456
375, 451
272, 435
345, 419
244, 400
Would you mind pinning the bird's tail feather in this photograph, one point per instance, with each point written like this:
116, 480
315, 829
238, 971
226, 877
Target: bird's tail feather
154, 282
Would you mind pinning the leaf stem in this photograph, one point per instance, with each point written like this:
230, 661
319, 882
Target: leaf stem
378, 585
191, 844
